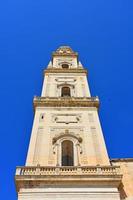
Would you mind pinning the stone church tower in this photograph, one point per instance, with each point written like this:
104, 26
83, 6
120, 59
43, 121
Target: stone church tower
67, 156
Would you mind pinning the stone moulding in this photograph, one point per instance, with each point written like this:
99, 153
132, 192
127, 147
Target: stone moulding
60, 70
65, 102
72, 54
61, 135
32, 176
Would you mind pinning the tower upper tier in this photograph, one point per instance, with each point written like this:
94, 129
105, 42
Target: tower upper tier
65, 58
65, 75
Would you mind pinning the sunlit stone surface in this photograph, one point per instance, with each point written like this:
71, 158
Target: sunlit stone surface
67, 157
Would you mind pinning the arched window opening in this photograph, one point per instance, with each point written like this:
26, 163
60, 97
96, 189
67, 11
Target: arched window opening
65, 92
67, 153
65, 66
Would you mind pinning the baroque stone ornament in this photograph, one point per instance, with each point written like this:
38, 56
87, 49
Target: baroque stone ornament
67, 134
64, 51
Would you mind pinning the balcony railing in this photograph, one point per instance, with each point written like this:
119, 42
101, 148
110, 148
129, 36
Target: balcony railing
38, 170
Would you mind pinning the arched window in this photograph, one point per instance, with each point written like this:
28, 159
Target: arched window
67, 153
65, 66
65, 92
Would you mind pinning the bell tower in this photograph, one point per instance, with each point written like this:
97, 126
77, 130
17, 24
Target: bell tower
67, 156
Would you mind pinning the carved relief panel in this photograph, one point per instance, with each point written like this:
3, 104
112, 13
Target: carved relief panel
66, 118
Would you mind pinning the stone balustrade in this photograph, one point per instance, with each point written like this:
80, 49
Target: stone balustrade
40, 170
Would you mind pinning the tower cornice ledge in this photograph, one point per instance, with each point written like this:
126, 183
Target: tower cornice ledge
60, 70
73, 54
66, 102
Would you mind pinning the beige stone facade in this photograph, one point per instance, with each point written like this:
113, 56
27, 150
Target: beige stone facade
126, 187
70, 123
67, 156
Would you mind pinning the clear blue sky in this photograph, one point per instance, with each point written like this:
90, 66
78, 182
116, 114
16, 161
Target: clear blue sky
101, 31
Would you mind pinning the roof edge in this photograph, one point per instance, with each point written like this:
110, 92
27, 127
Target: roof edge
121, 160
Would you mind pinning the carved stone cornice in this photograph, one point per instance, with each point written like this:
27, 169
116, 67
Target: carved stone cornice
39, 176
74, 54
66, 102
60, 70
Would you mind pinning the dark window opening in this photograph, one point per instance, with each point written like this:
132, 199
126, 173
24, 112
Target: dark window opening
67, 153
65, 66
65, 92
